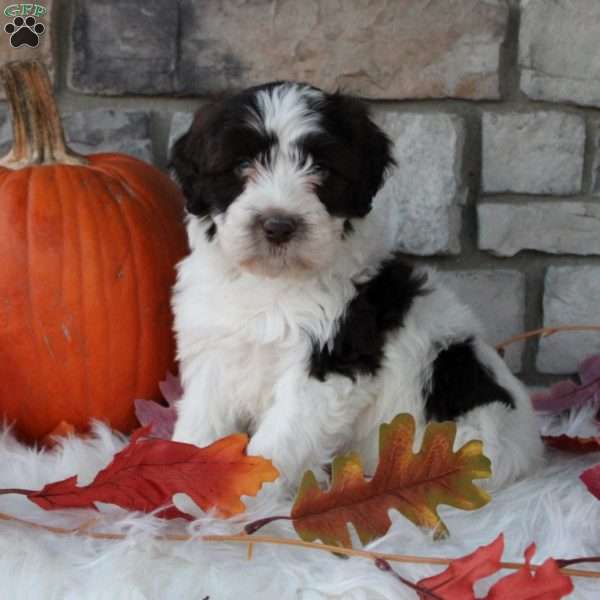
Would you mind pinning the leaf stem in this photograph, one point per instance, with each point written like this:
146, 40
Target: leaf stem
566, 562
16, 491
253, 527
264, 539
384, 565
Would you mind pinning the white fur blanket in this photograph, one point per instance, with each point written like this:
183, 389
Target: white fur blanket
553, 509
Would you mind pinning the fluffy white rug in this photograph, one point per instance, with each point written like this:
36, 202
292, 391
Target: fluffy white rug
553, 509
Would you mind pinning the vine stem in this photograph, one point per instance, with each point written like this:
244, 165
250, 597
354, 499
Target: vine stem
545, 332
244, 538
384, 565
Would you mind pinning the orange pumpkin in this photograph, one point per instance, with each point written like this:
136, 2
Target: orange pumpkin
88, 246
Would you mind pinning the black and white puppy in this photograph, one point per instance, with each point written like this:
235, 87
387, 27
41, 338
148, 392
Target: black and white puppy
289, 323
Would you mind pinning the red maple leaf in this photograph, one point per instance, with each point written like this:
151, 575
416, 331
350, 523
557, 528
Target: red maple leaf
591, 478
544, 583
147, 473
577, 445
457, 581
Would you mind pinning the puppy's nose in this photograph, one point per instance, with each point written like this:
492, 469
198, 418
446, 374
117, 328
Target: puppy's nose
279, 229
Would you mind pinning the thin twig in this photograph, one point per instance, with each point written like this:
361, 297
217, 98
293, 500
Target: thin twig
265, 539
566, 562
253, 527
545, 332
384, 565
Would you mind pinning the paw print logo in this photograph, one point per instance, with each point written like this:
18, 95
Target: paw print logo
24, 32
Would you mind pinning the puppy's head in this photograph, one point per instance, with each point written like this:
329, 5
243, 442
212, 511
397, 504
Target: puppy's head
279, 171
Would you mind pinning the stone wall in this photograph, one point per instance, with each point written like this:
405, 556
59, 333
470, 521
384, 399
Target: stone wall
492, 105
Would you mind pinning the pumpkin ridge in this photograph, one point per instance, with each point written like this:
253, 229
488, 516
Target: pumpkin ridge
155, 244
140, 192
62, 280
139, 336
152, 244
70, 224
99, 254
26, 406
81, 296
137, 190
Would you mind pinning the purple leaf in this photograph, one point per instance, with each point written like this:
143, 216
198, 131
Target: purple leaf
171, 389
568, 394
589, 369
162, 418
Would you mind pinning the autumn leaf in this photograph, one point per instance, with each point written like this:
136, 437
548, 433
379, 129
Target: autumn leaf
147, 473
457, 581
591, 478
413, 484
162, 418
569, 394
545, 583
577, 445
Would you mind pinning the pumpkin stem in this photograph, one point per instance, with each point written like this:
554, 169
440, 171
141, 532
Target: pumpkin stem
37, 130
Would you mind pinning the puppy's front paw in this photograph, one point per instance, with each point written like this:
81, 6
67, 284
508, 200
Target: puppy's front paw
192, 436
259, 445
287, 458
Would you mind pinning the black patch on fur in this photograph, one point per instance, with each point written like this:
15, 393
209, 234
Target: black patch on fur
378, 308
211, 232
355, 152
348, 228
459, 383
207, 157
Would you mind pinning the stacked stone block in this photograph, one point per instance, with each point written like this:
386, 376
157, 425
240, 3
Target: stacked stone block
492, 106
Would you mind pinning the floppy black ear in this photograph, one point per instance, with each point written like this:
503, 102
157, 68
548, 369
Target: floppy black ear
350, 120
188, 161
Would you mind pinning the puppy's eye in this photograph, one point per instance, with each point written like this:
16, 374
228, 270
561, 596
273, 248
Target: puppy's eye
321, 170
242, 166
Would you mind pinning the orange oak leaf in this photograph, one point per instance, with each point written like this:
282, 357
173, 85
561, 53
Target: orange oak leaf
414, 484
147, 473
457, 581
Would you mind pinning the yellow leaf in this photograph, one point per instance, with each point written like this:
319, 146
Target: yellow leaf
413, 484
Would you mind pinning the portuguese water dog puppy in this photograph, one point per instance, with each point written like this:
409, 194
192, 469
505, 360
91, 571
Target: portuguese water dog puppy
291, 322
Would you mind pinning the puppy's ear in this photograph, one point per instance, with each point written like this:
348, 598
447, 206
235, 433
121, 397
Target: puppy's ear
350, 119
188, 160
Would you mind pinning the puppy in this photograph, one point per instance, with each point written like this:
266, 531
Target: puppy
291, 322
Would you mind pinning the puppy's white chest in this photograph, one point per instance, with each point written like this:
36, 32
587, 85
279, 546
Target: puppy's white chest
238, 352
252, 373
